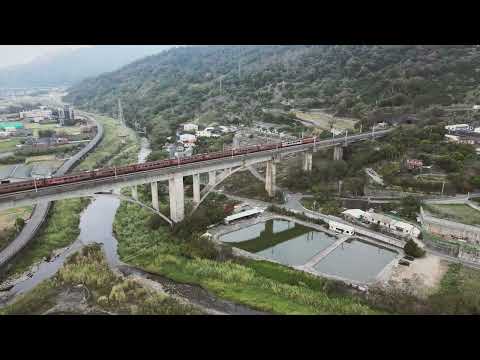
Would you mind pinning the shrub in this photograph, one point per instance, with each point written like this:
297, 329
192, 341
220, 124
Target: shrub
19, 223
411, 248
154, 222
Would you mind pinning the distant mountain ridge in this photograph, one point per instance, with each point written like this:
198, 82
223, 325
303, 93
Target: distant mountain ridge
73, 65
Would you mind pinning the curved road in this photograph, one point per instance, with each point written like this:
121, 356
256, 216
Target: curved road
40, 211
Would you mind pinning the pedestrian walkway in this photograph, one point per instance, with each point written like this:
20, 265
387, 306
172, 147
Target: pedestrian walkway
322, 254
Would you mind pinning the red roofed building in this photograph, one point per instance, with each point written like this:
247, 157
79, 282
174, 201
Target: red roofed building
414, 164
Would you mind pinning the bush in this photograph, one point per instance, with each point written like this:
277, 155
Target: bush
154, 222
19, 223
411, 248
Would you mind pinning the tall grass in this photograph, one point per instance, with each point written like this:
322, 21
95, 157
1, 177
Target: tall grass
106, 290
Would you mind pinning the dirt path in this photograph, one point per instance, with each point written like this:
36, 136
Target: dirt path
423, 274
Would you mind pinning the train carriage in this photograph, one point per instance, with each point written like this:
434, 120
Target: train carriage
102, 173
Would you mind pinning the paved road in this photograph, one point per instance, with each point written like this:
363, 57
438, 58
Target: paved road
40, 211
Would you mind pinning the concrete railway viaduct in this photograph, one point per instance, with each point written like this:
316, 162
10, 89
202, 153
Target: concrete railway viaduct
218, 170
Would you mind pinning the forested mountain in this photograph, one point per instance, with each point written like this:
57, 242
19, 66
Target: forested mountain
234, 83
71, 66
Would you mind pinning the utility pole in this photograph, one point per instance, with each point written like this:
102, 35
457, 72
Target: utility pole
220, 85
443, 186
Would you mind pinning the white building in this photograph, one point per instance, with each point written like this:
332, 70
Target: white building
386, 222
452, 138
203, 133
243, 215
36, 116
340, 227
190, 127
459, 127
188, 138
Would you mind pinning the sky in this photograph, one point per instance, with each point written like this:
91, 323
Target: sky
21, 54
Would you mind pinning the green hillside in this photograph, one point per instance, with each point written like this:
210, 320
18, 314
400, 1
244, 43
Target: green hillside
362, 81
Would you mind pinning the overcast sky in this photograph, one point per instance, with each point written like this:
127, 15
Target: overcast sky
21, 54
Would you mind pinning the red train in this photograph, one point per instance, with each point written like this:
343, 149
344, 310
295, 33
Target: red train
108, 172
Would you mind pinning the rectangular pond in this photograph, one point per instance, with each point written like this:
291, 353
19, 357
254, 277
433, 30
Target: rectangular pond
284, 241
356, 260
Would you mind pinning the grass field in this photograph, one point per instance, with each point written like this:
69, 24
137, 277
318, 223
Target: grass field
456, 212
322, 120
8, 217
459, 291
8, 145
70, 130
116, 140
39, 158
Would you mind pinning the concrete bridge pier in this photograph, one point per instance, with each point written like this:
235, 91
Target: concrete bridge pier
270, 178
212, 178
196, 189
134, 192
307, 161
155, 204
337, 153
176, 194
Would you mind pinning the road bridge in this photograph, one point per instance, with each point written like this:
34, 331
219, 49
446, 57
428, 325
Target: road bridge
218, 169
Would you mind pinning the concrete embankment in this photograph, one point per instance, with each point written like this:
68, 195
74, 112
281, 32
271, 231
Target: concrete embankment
40, 211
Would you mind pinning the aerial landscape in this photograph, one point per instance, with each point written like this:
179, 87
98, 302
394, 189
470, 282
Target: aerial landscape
240, 180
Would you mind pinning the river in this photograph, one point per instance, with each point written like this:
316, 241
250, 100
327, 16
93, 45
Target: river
96, 227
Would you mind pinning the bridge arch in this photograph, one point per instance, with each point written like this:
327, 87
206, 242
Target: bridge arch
211, 188
133, 201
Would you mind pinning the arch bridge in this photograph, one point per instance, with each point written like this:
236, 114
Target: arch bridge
217, 169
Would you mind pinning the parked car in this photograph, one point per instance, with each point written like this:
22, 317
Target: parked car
404, 263
409, 258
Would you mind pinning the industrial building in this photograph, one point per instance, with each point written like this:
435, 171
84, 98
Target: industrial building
66, 116
37, 116
392, 225
243, 215
459, 127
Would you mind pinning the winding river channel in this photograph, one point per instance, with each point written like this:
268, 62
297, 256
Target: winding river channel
96, 227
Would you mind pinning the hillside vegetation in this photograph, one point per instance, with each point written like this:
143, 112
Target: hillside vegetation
365, 82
